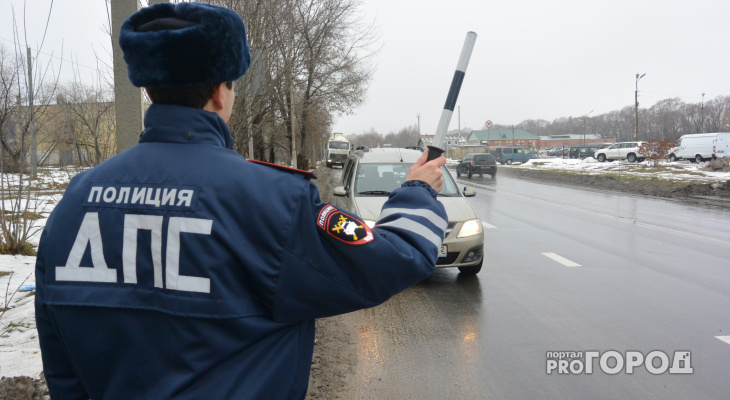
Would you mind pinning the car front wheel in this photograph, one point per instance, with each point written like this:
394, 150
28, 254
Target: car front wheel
473, 270
509, 162
458, 172
672, 158
601, 157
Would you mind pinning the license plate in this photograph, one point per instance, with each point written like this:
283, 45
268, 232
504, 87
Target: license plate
444, 250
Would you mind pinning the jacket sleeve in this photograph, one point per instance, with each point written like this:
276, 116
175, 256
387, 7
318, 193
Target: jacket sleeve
334, 263
63, 383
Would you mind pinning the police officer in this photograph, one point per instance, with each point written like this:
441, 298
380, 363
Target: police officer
178, 269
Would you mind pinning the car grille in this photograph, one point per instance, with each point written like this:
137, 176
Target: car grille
449, 259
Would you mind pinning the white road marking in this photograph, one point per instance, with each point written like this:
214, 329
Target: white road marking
487, 226
561, 260
725, 339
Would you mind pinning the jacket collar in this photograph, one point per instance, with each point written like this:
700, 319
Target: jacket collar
178, 124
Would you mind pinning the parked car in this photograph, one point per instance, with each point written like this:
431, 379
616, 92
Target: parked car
508, 155
631, 151
586, 150
368, 177
697, 147
477, 163
721, 146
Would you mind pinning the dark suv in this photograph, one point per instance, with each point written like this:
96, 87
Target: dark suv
477, 163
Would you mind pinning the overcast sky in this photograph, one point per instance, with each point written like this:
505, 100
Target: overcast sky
533, 59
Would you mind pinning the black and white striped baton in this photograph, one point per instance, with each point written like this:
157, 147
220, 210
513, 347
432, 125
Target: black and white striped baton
436, 150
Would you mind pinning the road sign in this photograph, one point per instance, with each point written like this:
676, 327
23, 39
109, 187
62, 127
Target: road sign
489, 124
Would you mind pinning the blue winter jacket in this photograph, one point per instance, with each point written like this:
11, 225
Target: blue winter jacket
179, 270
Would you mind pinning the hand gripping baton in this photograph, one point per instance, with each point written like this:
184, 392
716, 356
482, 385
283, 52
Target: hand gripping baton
436, 150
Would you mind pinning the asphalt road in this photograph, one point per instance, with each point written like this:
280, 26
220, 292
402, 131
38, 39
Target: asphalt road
566, 270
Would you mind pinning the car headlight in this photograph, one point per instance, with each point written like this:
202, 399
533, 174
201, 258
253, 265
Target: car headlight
369, 222
470, 228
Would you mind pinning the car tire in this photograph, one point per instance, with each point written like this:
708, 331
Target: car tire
480, 174
631, 157
509, 162
601, 157
458, 173
494, 175
469, 271
329, 165
698, 159
672, 158
468, 173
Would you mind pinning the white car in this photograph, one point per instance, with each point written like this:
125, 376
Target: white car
630, 151
370, 175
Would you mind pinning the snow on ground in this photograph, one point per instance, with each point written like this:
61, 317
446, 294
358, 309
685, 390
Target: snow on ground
19, 349
678, 171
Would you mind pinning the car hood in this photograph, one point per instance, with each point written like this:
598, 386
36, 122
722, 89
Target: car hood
457, 208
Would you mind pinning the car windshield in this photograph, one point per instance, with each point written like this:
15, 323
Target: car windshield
339, 145
381, 179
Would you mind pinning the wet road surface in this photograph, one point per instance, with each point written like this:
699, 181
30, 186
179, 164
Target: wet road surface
565, 270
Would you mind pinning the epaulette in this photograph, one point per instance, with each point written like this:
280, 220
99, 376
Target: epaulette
307, 174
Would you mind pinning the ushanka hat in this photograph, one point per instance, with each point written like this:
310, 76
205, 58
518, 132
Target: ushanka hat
184, 45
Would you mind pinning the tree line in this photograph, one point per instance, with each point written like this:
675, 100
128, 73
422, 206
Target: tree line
666, 120
310, 63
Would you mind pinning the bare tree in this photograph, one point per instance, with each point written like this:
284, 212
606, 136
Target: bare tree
335, 51
20, 202
406, 137
313, 64
370, 138
88, 119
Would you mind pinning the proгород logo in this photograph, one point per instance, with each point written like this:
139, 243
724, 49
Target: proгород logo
612, 362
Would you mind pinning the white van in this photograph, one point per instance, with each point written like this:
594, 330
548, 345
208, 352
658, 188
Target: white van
721, 147
697, 147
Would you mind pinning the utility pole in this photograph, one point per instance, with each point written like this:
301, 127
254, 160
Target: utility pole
128, 105
636, 100
293, 133
31, 125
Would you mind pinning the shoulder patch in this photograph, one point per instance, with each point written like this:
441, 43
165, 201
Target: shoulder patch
343, 227
307, 174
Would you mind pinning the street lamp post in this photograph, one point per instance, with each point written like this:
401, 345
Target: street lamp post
636, 100
583, 120
702, 123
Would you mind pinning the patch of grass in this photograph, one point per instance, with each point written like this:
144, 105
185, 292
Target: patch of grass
669, 169
23, 249
57, 185
26, 215
651, 179
4, 273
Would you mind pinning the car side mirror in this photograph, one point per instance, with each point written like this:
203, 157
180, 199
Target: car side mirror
339, 191
469, 192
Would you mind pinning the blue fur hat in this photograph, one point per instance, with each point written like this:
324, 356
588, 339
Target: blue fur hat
184, 45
